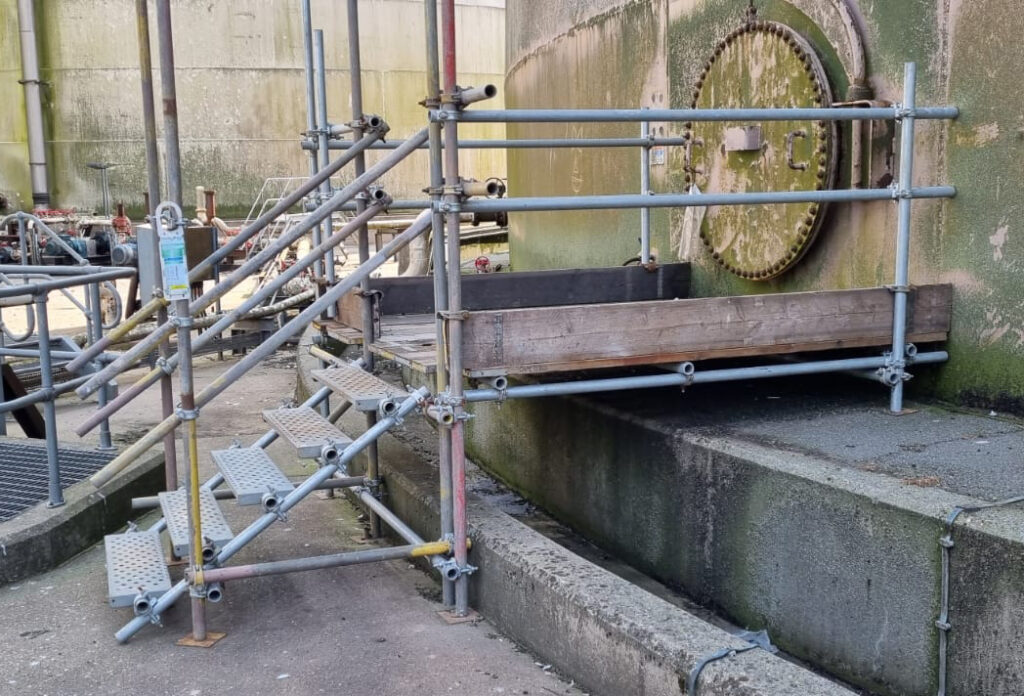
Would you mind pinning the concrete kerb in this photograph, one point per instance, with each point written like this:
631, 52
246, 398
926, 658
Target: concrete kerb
610, 636
42, 538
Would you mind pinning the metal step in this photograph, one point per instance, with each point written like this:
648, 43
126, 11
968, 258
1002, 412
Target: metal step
175, 507
135, 567
251, 474
306, 430
364, 390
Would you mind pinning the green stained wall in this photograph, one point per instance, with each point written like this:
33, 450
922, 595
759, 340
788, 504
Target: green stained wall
603, 53
241, 91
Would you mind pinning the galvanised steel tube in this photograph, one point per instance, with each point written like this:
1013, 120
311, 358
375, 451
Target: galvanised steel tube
262, 351
325, 267
298, 565
900, 289
34, 353
168, 93
40, 395
97, 332
451, 200
440, 278
148, 106
225, 321
522, 143
676, 379
645, 190
44, 286
49, 407
148, 502
146, 345
221, 253
264, 521
307, 52
355, 71
682, 200
680, 115
47, 271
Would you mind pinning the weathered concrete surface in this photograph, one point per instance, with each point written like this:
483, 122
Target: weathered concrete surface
622, 54
357, 630
241, 91
771, 506
41, 538
610, 635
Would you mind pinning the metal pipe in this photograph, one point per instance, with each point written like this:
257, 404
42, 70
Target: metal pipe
222, 323
900, 288
521, 143
645, 190
97, 332
324, 268
267, 519
297, 565
452, 181
234, 243
33, 105
307, 52
3, 362
148, 107
148, 502
44, 286
34, 353
46, 271
271, 251
440, 284
49, 408
168, 94
878, 113
677, 379
40, 395
674, 200
261, 352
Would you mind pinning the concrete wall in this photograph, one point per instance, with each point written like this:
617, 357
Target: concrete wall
241, 90
607, 53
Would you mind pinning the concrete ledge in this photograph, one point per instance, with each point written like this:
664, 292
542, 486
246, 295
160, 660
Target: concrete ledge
841, 565
42, 538
609, 635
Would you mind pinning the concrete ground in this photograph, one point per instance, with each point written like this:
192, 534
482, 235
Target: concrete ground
364, 629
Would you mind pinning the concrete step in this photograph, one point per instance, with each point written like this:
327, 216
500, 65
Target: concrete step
252, 475
214, 527
306, 430
366, 391
136, 569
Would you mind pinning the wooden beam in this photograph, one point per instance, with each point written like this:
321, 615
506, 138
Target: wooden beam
28, 417
527, 341
483, 291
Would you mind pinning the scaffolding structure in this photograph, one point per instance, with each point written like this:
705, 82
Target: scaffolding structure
196, 527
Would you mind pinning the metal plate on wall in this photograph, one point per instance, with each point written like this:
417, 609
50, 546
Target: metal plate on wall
761, 65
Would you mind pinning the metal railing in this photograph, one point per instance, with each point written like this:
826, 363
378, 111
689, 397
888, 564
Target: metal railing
441, 215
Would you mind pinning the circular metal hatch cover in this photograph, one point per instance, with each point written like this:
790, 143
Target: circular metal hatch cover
761, 65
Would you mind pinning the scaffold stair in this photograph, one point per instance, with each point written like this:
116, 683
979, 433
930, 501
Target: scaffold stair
365, 390
135, 568
175, 508
306, 430
251, 474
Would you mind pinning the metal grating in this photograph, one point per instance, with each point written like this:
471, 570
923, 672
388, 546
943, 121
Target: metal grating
251, 474
24, 476
175, 507
135, 565
363, 389
306, 430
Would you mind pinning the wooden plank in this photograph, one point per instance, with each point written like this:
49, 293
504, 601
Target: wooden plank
28, 417
526, 341
415, 294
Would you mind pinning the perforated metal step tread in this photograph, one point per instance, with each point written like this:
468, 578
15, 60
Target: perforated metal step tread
306, 430
251, 474
175, 507
363, 389
135, 565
